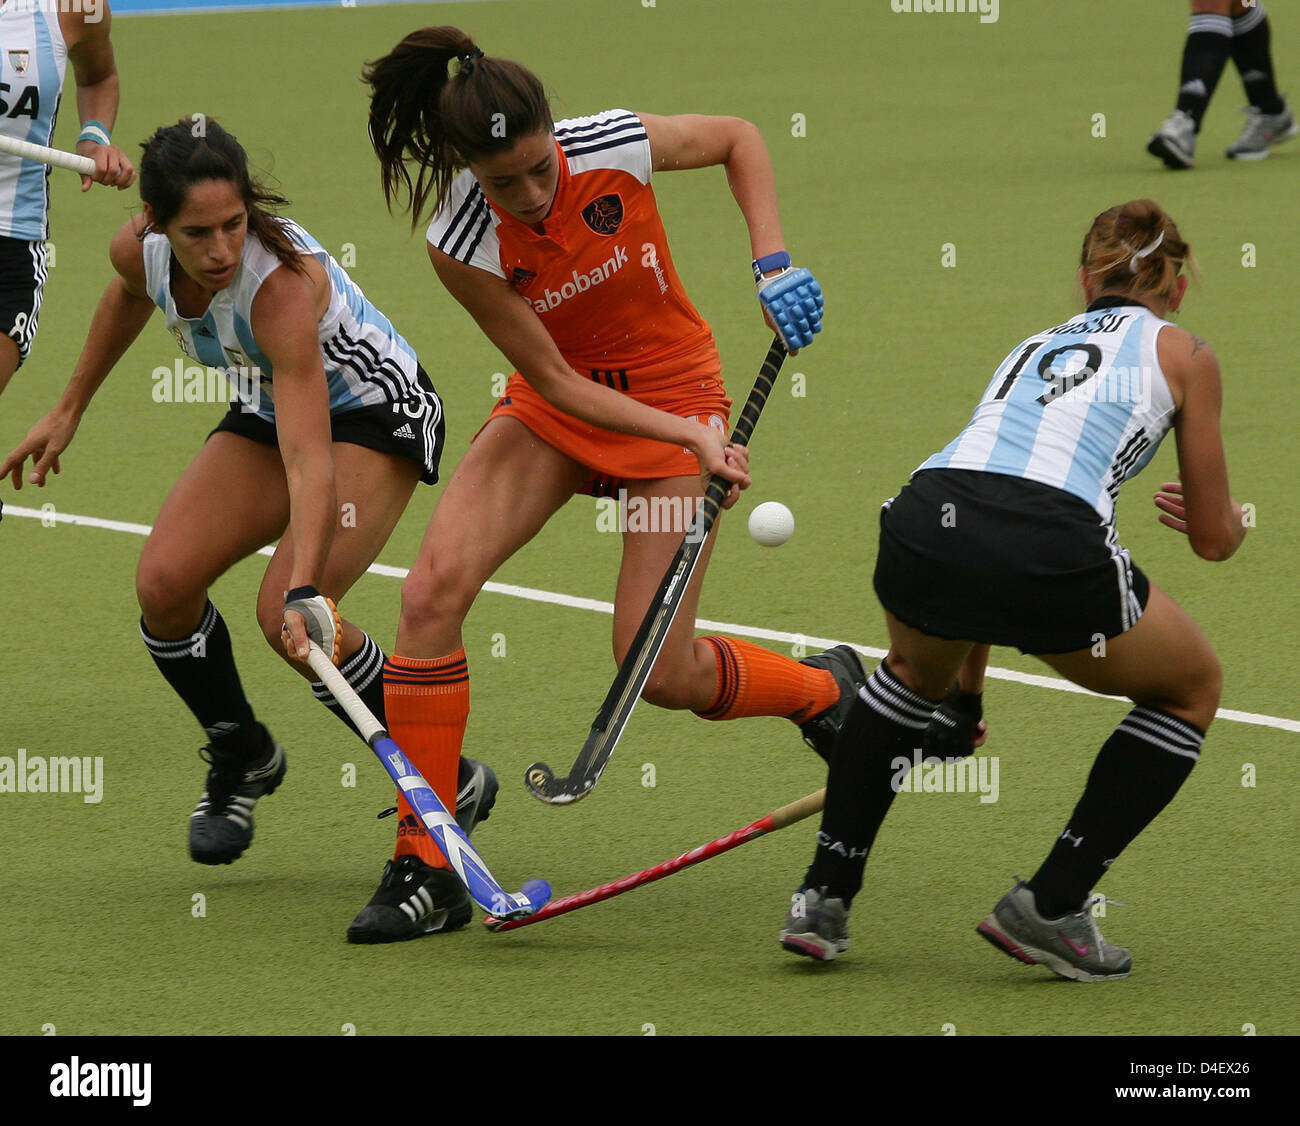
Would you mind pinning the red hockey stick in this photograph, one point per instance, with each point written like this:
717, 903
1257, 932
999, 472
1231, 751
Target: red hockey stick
777, 819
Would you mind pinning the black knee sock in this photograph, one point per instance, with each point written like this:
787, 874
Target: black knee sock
201, 669
1254, 60
1209, 43
870, 759
1137, 772
364, 671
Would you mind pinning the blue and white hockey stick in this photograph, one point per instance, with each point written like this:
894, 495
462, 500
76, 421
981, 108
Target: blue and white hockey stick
450, 837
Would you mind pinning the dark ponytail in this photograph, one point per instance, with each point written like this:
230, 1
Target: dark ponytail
197, 149
422, 115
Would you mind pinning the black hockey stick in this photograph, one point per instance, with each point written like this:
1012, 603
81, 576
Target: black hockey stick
623, 694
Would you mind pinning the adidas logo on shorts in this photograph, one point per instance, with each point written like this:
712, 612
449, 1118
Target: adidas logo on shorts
404, 431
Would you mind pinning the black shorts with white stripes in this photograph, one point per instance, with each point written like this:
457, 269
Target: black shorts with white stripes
414, 429
986, 557
23, 268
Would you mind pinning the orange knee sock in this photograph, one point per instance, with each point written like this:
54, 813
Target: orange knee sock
426, 703
755, 681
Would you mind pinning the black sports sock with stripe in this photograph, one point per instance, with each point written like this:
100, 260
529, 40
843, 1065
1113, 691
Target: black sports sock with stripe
1205, 54
872, 755
364, 671
200, 667
1137, 772
1254, 60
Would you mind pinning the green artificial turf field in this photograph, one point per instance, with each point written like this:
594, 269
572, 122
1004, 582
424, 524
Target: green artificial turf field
893, 136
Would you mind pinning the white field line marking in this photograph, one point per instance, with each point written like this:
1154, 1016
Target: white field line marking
554, 599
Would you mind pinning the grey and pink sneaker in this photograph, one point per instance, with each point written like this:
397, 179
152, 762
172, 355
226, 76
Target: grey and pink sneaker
817, 925
1071, 946
1261, 132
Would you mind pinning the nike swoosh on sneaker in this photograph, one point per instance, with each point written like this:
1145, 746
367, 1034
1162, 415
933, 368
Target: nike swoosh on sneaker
1082, 951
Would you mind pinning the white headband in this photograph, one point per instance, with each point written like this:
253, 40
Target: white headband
1133, 262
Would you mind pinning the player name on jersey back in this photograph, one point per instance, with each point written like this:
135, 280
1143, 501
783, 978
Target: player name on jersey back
1081, 406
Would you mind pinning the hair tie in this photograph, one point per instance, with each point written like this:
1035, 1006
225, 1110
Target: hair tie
467, 59
1144, 252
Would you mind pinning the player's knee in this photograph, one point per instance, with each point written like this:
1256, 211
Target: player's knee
435, 595
665, 691
1206, 687
924, 681
165, 592
270, 617
1198, 691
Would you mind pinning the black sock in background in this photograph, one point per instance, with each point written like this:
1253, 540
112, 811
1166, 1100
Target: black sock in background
1254, 60
1136, 774
1205, 54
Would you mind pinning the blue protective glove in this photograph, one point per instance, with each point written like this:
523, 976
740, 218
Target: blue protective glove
792, 301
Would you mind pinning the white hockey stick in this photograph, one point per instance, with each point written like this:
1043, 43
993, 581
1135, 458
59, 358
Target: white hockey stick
42, 155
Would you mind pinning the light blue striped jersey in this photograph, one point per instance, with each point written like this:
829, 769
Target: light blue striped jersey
33, 61
1082, 407
367, 363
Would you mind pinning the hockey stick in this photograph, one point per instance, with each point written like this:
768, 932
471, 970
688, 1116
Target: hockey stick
451, 838
778, 819
42, 155
633, 673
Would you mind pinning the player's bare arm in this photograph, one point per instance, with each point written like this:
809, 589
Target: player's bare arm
791, 299
119, 318
123, 312
94, 67
699, 141
284, 321
515, 329
1200, 504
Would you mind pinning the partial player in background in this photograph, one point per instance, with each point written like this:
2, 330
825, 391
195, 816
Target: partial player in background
36, 42
1221, 29
1007, 537
548, 233
334, 416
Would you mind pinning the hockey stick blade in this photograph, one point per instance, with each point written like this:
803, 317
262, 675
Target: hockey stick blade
541, 780
451, 839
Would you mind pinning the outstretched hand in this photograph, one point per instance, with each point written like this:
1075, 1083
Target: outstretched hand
43, 444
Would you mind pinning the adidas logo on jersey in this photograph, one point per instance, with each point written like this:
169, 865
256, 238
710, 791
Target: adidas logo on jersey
404, 431
582, 282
